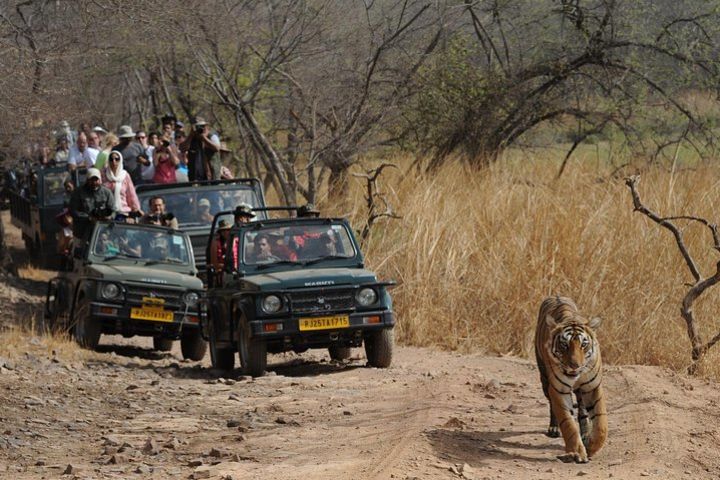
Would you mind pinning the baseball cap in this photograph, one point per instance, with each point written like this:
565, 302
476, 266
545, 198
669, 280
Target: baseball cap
94, 172
204, 202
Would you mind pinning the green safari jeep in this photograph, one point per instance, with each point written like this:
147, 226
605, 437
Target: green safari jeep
130, 280
295, 284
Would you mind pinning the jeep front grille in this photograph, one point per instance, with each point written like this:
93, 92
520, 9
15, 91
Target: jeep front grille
322, 301
135, 295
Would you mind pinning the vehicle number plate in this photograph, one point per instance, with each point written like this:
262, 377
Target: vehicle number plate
324, 323
152, 314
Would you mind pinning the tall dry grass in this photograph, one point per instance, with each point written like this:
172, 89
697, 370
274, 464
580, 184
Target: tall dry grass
476, 253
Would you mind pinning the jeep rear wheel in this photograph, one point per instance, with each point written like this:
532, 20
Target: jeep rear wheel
379, 348
87, 330
339, 353
253, 352
162, 344
192, 345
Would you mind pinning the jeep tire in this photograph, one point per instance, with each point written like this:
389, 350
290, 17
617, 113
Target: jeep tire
192, 345
252, 352
87, 331
339, 353
379, 348
162, 344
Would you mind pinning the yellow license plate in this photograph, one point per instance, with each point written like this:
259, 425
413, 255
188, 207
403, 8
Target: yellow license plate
324, 323
153, 314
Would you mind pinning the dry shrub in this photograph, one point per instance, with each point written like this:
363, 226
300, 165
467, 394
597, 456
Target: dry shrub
476, 253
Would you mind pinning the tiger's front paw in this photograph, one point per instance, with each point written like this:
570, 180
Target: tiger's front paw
553, 432
573, 457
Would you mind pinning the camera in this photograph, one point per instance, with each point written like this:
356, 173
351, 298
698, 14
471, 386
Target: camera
199, 128
102, 212
134, 214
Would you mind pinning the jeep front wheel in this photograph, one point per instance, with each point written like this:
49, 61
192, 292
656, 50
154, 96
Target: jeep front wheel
162, 344
253, 352
87, 330
339, 353
379, 348
192, 345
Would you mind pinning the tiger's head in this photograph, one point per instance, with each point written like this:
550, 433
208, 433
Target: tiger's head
572, 343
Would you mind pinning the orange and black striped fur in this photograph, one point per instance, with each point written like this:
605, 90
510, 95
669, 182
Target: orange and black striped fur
568, 357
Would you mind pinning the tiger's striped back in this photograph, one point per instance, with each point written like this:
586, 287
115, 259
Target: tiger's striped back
569, 361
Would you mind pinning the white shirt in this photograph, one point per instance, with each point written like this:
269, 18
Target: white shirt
85, 158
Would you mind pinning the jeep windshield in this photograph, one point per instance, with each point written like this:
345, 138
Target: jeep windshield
148, 245
299, 243
197, 207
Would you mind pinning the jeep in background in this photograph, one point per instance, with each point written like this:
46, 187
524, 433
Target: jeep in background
184, 200
295, 284
34, 204
130, 280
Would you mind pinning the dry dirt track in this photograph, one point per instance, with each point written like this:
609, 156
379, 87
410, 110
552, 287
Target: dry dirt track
129, 412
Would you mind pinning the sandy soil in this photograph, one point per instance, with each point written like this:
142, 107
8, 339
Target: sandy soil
130, 412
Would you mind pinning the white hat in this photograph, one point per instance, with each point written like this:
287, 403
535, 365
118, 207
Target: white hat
93, 172
204, 201
126, 131
99, 129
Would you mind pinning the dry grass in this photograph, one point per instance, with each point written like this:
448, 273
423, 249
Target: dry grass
476, 253
17, 340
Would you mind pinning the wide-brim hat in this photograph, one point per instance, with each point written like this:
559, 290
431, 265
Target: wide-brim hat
199, 121
243, 210
126, 131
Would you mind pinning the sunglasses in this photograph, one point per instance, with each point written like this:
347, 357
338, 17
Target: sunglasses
114, 159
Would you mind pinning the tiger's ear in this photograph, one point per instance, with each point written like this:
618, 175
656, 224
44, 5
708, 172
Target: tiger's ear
550, 321
595, 322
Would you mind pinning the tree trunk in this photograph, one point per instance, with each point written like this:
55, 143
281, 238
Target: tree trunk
6, 263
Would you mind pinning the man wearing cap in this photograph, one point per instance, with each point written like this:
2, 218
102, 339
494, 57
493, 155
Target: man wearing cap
308, 210
92, 201
218, 247
202, 148
203, 212
81, 154
130, 151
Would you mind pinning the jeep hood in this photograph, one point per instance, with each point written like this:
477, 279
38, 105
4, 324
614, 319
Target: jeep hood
143, 274
303, 278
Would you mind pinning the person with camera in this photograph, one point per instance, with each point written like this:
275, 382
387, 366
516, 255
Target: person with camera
118, 180
166, 161
202, 149
158, 216
89, 203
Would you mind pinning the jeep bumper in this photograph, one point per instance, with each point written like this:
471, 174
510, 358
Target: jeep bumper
118, 319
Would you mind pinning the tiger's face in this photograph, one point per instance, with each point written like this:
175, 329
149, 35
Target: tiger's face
573, 348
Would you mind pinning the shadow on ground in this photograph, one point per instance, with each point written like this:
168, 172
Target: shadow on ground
477, 447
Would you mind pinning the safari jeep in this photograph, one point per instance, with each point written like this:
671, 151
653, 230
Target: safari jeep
130, 280
295, 284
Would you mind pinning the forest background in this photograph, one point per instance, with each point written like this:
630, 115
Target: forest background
510, 126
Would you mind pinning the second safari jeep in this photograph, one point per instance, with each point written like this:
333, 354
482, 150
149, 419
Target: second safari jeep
295, 284
131, 280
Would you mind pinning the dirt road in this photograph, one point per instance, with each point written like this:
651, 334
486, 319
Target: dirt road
130, 412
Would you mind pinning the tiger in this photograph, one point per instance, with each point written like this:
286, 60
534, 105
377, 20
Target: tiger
568, 358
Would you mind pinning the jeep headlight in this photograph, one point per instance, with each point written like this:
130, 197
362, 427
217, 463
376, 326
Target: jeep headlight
271, 304
366, 297
191, 299
110, 291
